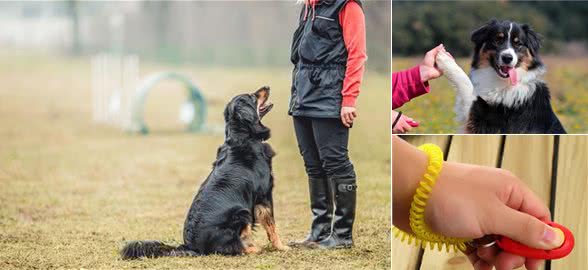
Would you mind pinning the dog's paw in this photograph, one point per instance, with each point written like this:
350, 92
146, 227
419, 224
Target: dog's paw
282, 248
444, 61
251, 250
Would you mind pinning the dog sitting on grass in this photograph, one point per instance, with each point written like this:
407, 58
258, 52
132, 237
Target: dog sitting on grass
236, 195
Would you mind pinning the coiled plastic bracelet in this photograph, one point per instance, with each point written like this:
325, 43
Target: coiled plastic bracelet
422, 234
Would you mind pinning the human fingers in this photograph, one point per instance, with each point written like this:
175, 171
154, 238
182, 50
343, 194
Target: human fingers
344, 120
405, 127
488, 254
429, 59
348, 118
525, 228
533, 264
482, 265
507, 261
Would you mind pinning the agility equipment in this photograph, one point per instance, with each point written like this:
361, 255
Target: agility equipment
114, 78
193, 112
118, 95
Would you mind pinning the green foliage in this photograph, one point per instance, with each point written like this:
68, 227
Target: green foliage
419, 26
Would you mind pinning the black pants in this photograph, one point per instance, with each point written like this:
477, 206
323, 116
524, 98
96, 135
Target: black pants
323, 145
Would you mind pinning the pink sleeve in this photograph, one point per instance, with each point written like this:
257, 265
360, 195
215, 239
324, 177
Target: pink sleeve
407, 85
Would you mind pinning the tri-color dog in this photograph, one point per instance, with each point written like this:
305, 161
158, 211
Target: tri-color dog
505, 92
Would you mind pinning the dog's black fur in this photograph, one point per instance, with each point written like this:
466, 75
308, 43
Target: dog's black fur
237, 192
535, 114
534, 117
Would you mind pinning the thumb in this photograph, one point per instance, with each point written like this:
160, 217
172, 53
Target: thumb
527, 230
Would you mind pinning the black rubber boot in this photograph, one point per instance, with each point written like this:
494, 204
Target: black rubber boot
321, 206
345, 199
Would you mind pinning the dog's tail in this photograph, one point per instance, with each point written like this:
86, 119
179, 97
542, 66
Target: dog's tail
153, 249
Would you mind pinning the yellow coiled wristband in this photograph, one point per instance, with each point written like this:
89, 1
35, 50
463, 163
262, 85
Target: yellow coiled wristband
421, 233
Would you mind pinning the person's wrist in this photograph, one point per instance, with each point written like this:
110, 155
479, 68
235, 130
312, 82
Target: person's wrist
407, 173
348, 101
423, 73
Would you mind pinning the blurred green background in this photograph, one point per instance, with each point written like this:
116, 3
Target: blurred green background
418, 26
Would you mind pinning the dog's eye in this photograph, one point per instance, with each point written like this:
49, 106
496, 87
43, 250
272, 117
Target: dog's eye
499, 38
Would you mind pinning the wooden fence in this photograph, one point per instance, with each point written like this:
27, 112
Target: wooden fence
554, 167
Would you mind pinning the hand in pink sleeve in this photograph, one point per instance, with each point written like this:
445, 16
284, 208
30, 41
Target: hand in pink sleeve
412, 83
407, 85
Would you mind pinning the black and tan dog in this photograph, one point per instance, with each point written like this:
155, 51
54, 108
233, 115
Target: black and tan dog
236, 195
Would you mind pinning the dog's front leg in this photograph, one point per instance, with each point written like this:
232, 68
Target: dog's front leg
247, 240
264, 215
461, 82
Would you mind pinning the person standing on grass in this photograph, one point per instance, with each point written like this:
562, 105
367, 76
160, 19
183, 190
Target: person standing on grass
328, 53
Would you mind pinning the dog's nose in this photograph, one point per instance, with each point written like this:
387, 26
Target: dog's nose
506, 58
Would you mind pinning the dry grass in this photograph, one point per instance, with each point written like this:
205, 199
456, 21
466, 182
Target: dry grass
565, 77
73, 192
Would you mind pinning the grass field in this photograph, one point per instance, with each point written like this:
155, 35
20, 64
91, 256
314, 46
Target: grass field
566, 78
72, 192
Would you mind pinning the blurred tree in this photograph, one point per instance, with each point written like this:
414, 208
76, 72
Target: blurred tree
72, 8
419, 26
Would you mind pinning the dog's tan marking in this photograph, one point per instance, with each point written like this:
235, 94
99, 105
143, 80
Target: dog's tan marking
251, 250
527, 61
247, 240
485, 55
263, 215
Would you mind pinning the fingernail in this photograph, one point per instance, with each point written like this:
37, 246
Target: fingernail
553, 237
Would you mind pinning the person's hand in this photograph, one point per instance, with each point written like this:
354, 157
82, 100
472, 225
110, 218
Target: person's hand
348, 114
404, 125
473, 201
427, 68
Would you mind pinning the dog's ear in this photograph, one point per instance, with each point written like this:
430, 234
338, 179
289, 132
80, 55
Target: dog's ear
533, 40
481, 34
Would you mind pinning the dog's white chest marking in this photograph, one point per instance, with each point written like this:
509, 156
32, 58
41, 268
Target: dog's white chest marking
497, 90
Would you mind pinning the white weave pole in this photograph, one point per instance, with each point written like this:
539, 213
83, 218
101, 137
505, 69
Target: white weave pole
130, 81
114, 80
464, 96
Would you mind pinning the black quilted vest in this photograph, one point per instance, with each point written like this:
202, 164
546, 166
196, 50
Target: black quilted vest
319, 57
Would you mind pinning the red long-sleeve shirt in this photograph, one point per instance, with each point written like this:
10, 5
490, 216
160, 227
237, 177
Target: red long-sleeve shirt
352, 21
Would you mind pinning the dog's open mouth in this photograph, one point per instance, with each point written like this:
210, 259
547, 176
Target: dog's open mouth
506, 71
264, 105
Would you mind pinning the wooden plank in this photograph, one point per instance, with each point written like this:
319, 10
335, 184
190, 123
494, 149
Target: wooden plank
404, 256
530, 158
570, 198
481, 150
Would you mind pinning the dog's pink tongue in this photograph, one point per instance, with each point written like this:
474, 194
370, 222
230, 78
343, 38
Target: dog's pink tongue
512, 75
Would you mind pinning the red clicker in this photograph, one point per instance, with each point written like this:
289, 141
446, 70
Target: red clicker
517, 248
